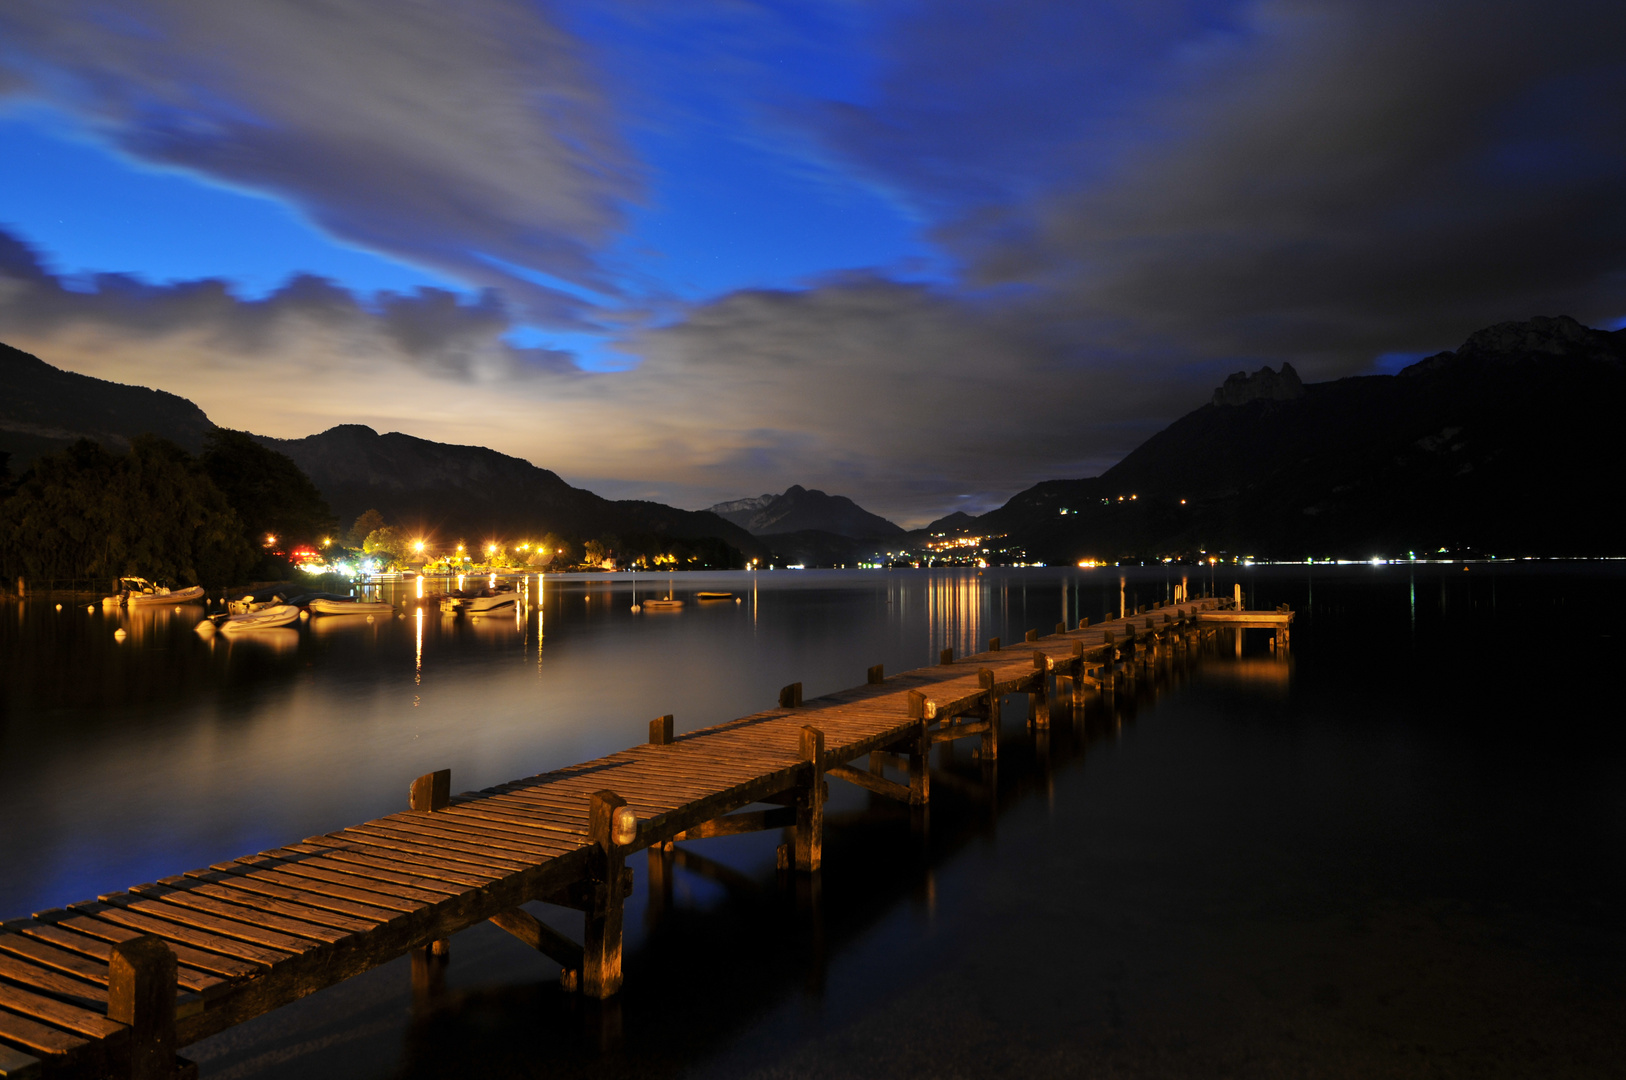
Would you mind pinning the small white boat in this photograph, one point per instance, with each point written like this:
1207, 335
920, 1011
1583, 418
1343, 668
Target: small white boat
135, 592
264, 619
663, 604
350, 607
480, 601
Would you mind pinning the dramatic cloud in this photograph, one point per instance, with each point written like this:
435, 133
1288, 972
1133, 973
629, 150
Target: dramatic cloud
1141, 196
469, 138
904, 397
1315, 180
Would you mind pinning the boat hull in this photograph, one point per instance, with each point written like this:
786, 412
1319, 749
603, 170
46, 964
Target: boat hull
265, 619
350, 607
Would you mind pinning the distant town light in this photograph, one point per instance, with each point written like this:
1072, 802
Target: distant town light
417, 545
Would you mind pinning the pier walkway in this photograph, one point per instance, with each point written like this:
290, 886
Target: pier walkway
115, 986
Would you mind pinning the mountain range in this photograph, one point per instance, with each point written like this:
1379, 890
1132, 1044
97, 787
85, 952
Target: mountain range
439, 489
800, 509
1507, 445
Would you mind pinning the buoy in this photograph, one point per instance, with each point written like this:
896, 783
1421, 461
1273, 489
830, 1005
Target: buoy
637, 607
177, 609
304, 616
119, 634
59, 606
369, 618
90, 609
736, 599
205, 627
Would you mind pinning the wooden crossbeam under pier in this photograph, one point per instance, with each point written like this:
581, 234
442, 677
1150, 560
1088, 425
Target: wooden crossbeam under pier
116, 985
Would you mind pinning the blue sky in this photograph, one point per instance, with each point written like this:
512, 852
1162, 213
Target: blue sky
693, 252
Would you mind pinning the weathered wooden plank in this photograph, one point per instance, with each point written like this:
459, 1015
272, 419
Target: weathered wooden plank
299, 903
42, 1039
254, 914
81, 925
47, 955
166, 908
174, 933
86, 995
49, 1010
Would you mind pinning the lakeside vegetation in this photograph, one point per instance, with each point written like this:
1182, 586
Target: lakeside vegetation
240, 512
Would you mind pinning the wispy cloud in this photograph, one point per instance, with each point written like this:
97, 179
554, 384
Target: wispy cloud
447, 135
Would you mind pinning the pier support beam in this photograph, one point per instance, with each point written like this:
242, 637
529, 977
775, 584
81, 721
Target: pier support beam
610, 825
810, 805
920, 752
989, 751
141, 993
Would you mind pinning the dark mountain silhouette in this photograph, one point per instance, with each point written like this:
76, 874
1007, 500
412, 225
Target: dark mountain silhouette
448, 491
1508, 445
471, 492
802, 510
43, 409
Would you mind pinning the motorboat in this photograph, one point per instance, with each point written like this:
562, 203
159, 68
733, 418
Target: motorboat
479, 601
323, 605
267, 618
138, 592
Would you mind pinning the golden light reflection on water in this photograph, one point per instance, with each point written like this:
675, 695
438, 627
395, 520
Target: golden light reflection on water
954, 613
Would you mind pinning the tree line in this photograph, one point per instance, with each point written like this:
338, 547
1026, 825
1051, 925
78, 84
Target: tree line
157, 511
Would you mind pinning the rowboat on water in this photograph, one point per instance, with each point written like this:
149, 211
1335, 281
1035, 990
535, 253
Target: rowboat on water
265, 619
666, 603
714, 596
136, 592
327, 606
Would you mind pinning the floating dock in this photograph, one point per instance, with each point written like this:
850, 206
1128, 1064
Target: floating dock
117, 985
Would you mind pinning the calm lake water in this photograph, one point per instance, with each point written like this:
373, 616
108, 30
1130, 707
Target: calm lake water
1396, 851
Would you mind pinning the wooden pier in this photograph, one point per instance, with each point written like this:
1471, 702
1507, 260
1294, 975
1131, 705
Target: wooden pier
117, 985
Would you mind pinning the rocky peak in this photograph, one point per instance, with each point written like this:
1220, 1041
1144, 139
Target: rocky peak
1262, 385
1542, 336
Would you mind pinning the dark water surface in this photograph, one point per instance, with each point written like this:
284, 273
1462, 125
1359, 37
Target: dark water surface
1395, 852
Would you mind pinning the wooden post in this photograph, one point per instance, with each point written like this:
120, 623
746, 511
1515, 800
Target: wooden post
877, 675
141, 993
428, 793
431, 792
1238, 595
946, 657
1123, 609
1061, 628
810, 805
990, 738
993, 644
1031, 636
920, 754
601, 952
1084, 623
660, 730
791, 696
1040, 697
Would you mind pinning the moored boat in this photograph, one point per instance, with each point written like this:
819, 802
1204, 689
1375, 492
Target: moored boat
327, 606
479, 601
136, 592
666, 604
264, 619
714, 596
